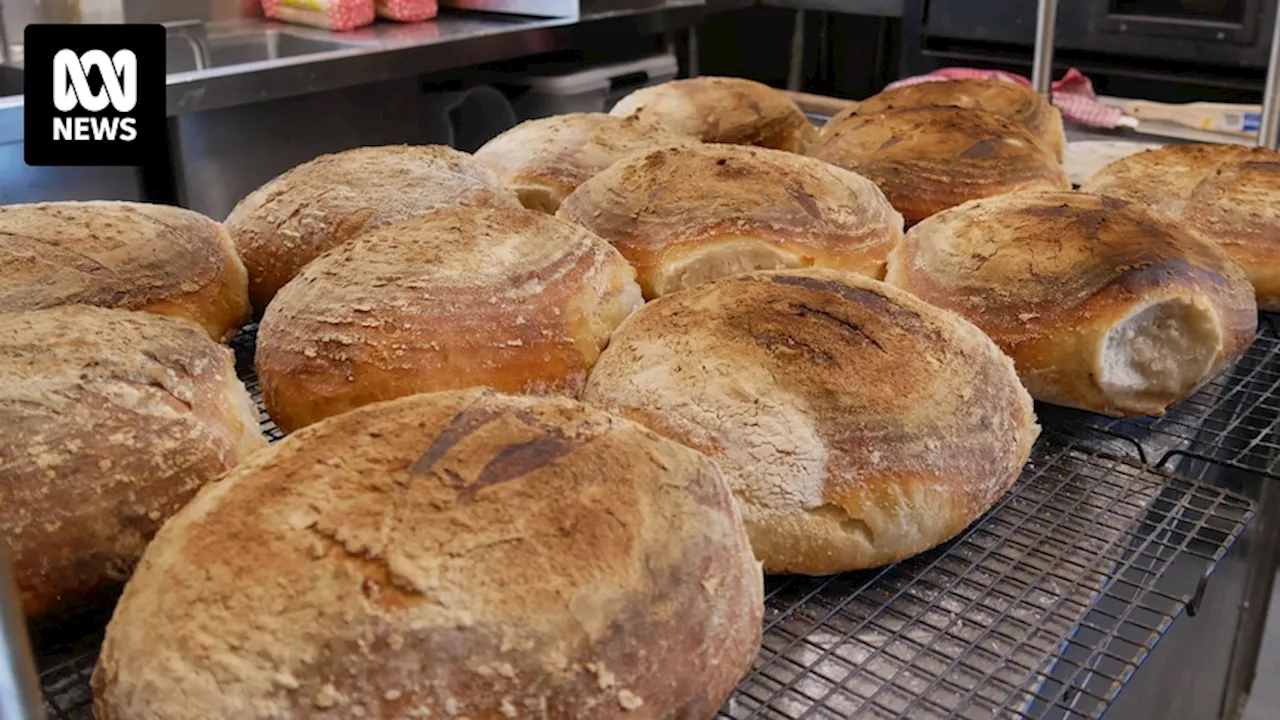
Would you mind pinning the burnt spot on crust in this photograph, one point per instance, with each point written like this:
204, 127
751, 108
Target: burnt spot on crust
1113, 203
803, 310
805, 200
510, 463
463, 424
981, 149
890, 142
516, 461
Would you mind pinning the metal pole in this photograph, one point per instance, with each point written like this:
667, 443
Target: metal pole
20, 696
795, 74
1042, 64
1269, 123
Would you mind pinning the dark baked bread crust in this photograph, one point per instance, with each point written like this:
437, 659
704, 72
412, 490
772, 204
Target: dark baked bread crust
856, 425
154, 258
687, 215
297, 216
1014, 102
511, 299
460, 554
110, 421
1228, 193
931, 158
722, 110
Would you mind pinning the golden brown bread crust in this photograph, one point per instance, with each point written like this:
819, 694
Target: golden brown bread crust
932, 158
722, 110
1228, 193
856, 425
1048, 275
511, 299
460, 554
136, 256
1014, 102
543, 160
297, 216
687, 215
110, 420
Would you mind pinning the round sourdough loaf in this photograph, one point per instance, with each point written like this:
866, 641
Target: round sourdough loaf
544, 160
1228, 193
683, 216
110, 420
931, 158
512, 299
135, 256
722, 110
297, 216
856, 425
1018, 103
1102, 304
450, 555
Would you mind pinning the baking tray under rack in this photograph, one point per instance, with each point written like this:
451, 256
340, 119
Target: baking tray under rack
1041, 609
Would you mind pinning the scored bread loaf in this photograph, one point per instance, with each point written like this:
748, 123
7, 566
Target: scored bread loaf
318, 205
136, 256
512, 299
722, 110
931, 158
856, 425
1014, 102
110, 420
683, 216
543, 160
1228, 193
450, 555
1102, 304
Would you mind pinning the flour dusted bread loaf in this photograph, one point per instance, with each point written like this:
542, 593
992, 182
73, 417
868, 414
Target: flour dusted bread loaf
683, 216
110, 420
511, 299
135, 256
856, 425
1228, 193
543, 160
931, 158
459, 554
1018, 103
722, 110
1102, 304
297, 216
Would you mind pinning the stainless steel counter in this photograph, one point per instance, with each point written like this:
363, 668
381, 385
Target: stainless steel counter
252, 60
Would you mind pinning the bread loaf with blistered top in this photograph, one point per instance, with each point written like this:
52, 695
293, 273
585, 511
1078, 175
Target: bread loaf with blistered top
460, 554
110, 420
683, 216
134, 256
856, 425
323, 203
511, 299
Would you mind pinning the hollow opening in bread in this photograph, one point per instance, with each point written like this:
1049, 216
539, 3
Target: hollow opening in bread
1158, 354
714, 260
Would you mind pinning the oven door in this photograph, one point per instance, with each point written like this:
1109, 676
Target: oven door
1215, 32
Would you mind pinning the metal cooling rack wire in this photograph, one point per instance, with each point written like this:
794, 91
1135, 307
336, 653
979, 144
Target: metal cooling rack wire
1063, 584
1233, 420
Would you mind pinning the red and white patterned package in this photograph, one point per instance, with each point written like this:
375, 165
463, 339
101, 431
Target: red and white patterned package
407, 10
328, 14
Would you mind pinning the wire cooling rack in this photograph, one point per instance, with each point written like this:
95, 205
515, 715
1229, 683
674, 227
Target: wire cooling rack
1041, 609
1234, 420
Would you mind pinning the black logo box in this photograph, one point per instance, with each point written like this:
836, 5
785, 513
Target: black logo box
41, 115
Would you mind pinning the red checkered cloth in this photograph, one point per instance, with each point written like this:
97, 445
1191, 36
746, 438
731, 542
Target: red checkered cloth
328, 14
1073, 94
407, 10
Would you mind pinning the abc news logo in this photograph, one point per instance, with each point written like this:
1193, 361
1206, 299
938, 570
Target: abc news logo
71, 91
95, 95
